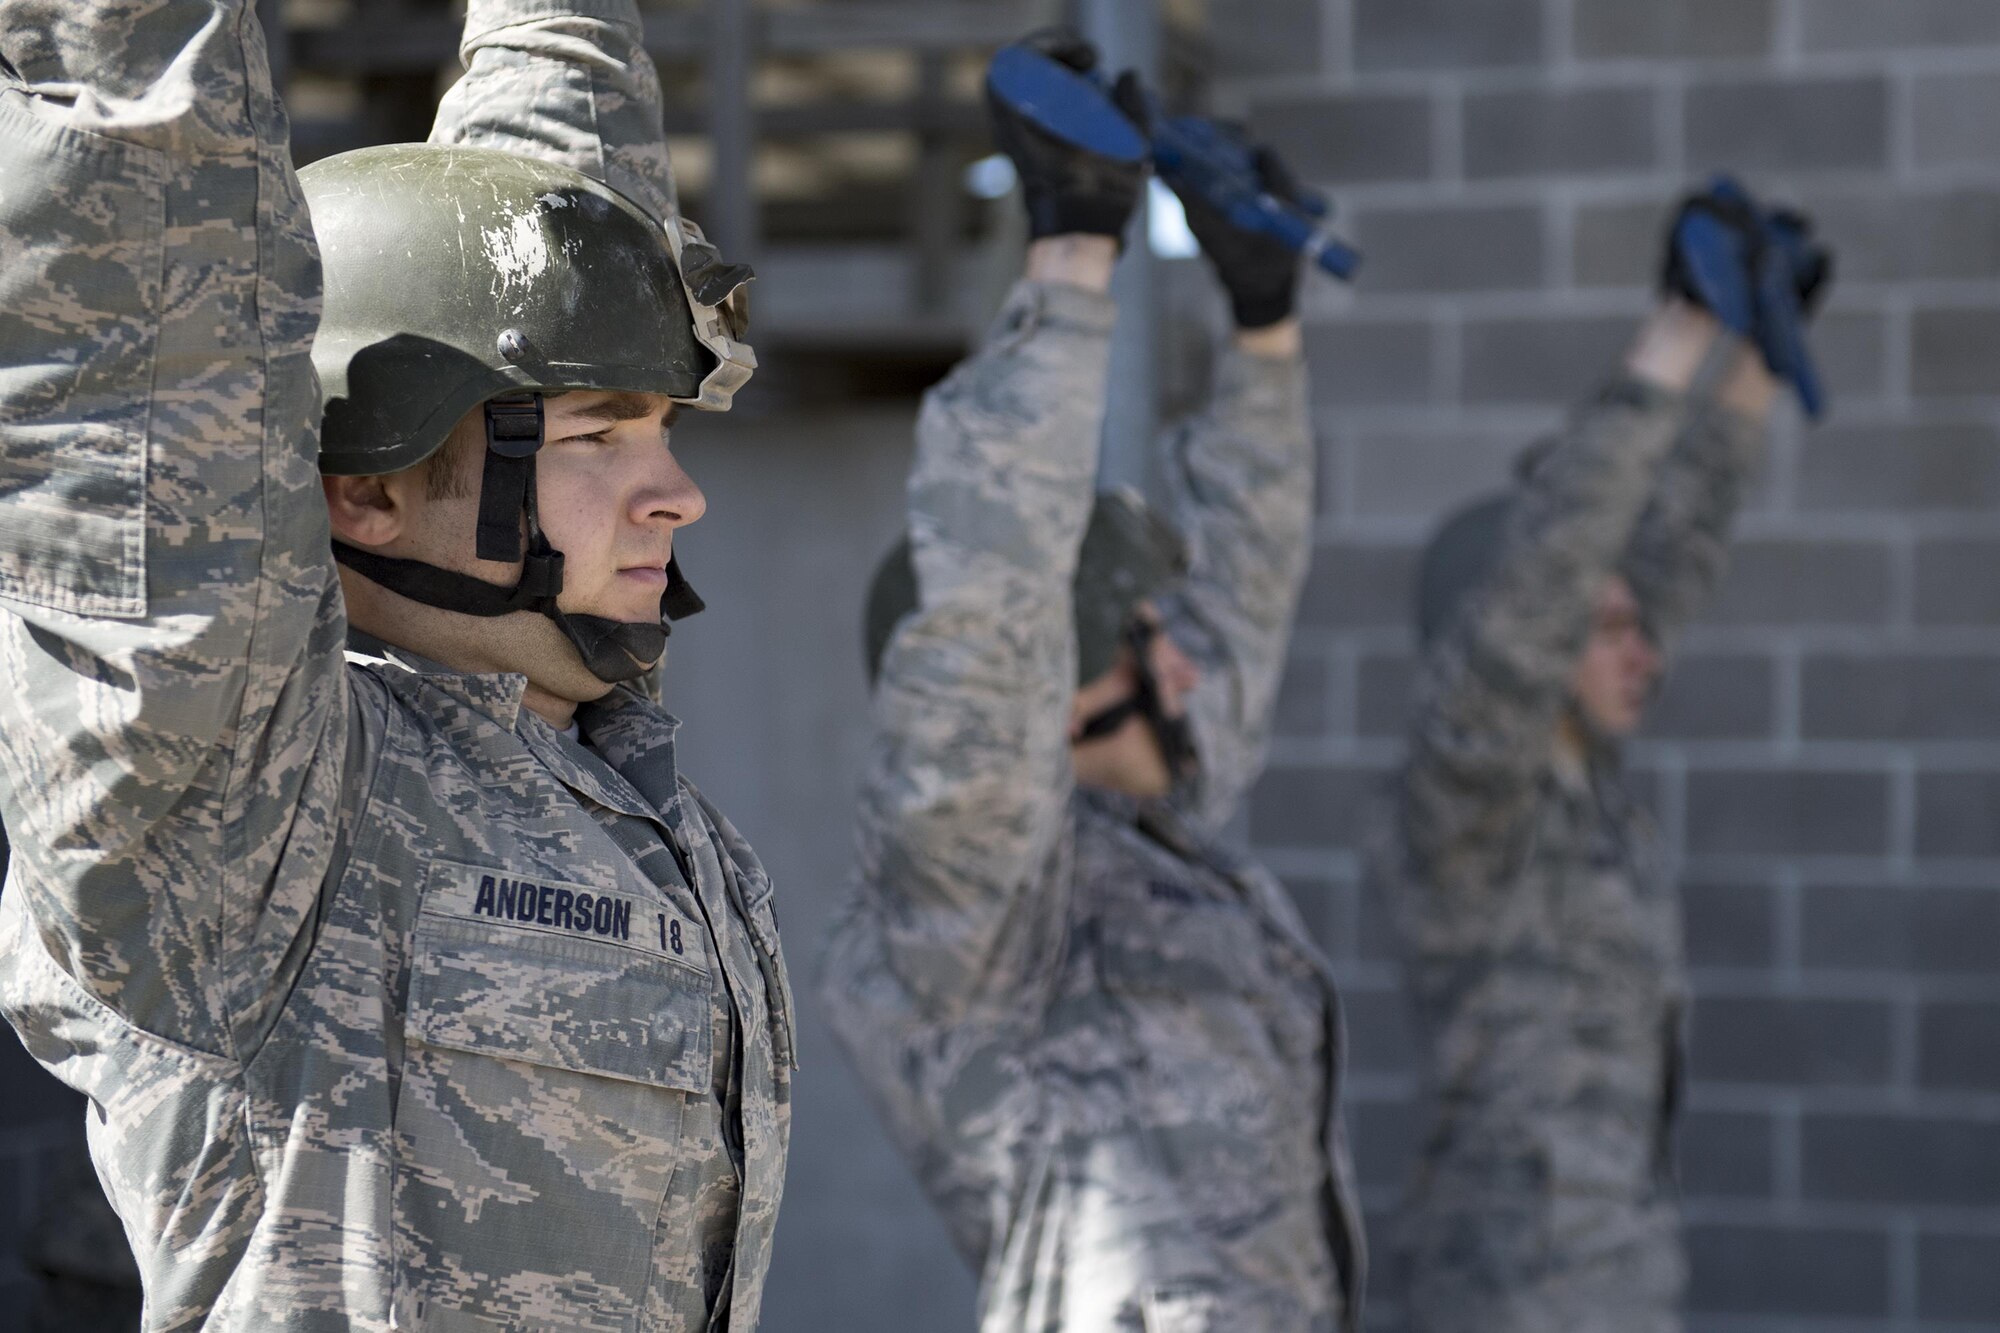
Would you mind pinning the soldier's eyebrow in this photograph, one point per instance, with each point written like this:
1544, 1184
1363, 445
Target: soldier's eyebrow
617, 407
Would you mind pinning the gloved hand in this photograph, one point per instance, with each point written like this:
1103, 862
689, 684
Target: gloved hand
1260, 272
1085, 184
1759, 271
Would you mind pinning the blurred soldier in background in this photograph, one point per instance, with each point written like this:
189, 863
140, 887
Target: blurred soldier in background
1108, 1044
1540, 932
410, 984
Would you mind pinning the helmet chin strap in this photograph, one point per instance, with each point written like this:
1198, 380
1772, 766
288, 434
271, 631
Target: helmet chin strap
612, 650
1172, 734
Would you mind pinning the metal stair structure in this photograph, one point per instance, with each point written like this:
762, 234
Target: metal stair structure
826, 141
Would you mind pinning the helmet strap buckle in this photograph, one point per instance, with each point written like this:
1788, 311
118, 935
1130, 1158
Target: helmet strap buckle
514, 429
514, 425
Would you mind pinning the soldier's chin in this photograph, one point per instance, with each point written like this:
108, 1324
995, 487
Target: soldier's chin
626, 608
1626, 721
1611, 721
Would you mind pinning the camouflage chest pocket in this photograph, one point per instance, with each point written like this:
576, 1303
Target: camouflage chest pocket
555, 1044
82, 223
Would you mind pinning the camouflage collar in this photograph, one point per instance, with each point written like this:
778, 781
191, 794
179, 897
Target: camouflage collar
1157, 818
632, 770
498, 695
1116, 805
636, 737
1578, 770
583, 771
1569, 767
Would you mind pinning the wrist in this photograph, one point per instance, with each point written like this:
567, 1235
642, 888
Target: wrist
1672, 344
1282, 341
1073, 260
1749, 388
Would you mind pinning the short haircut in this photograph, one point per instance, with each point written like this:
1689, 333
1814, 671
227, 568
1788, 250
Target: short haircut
453, 472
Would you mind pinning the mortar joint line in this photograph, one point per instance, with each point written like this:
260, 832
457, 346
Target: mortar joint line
1337, 39
1905, 1041
1787, 1151
1447, 332
1788, 928
1898, 348
1788, 35
1903, 1270
1670, 120
1903, 768
1902, 116
1448, 136
1342, 682
1787, 697
1559, 240
1558, 45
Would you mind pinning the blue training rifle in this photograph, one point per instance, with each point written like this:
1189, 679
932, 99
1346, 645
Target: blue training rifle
1193, 155
1766, 312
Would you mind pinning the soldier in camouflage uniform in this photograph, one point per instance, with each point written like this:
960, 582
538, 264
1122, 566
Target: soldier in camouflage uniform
411, 985
1106, 1042
1540, 931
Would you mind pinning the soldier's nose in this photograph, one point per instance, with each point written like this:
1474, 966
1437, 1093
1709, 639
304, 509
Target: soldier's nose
678, 499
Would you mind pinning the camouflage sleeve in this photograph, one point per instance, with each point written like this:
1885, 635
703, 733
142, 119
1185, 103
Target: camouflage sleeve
1681, 545
1491, 688
966, 793
565, 81
1241, 477
170, 624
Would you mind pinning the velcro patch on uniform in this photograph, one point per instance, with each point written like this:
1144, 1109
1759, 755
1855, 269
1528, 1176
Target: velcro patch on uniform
573, 911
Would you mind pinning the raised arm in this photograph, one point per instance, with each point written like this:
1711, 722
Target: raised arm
1681, 545
170, 626
966, 794
1761, 272
566, 81
965, 801
1241, 476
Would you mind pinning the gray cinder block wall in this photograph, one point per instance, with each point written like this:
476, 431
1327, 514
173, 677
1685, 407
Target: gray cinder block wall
1826, 758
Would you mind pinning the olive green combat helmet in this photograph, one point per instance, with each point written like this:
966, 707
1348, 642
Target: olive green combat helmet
456, 277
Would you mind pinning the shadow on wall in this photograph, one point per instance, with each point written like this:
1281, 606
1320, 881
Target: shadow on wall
67, 1269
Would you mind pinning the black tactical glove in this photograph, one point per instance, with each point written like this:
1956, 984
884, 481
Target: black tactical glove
1069, 189
1260, 272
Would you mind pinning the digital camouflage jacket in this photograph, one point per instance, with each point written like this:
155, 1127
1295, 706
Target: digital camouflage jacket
1540, 930
1108, 1045
396, 1007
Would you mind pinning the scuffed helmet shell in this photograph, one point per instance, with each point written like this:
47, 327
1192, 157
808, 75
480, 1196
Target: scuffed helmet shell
455, 274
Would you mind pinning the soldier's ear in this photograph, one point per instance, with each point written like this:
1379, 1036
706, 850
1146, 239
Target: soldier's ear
364, 511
